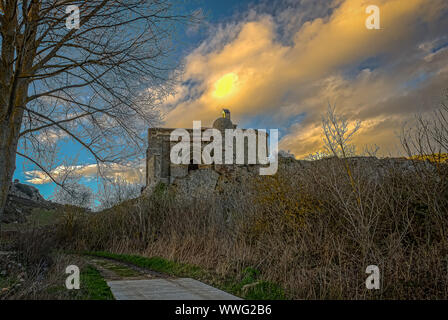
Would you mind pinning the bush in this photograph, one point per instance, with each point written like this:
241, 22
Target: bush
308, 229
313, 228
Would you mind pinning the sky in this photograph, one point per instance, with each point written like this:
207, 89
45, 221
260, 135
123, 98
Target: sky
278, 64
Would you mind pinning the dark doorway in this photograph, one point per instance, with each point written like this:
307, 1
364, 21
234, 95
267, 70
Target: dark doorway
192, 166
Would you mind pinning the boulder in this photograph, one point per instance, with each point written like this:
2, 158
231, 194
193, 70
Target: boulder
22, 200
25, 191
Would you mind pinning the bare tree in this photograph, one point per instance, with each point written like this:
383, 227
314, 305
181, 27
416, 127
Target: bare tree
318, 155
337, 135
115, 191
75, 194
427, 138
69, 189
337, 138
98, 85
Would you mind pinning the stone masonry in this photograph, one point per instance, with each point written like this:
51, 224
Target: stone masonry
159, 167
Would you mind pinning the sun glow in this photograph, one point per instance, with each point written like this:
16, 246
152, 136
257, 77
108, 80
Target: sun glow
225, 85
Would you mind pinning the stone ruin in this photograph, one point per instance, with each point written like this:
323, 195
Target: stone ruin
199, 180
193, 176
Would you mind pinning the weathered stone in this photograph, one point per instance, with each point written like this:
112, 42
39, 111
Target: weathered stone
197, 184
178, 171
22, 200
160, 169
25, 191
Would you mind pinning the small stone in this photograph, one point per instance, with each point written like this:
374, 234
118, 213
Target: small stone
250, 286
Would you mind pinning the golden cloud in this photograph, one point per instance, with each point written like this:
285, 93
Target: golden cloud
128, 173
257, 74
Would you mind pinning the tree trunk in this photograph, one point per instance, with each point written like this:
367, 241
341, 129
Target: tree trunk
17, 56
9, 137
8, 148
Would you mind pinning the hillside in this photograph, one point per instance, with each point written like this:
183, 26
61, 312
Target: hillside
26, 204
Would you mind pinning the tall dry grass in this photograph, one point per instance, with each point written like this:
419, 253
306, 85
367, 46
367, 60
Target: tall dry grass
34, 268
313, 228
309, 228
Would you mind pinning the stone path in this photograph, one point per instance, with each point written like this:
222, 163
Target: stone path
128, 282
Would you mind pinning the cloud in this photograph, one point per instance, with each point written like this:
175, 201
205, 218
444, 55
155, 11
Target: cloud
51, 136
131, 173
289, 63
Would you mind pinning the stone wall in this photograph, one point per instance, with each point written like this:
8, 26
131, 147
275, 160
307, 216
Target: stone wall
158, 163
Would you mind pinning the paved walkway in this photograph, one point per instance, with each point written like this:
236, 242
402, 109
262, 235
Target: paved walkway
128, 282
166, 289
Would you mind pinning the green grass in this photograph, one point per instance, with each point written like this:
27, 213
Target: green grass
93, 286
42, 217
258, 289
261, 290
120, 270
6, 282
155, 263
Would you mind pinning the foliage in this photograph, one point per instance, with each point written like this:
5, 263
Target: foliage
436, 158
258, 289
306, 223
311, 230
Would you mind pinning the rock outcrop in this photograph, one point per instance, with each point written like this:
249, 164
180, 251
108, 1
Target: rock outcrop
25, 191
22, 200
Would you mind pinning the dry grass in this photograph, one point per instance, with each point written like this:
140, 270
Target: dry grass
311, 229
33, 269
